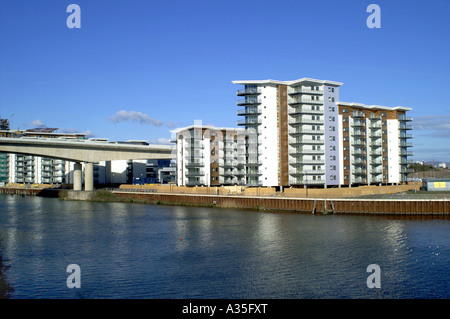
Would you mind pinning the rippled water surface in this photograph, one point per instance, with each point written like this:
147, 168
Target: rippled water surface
144, 251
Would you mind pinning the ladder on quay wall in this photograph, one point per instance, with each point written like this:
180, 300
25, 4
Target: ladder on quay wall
325, 211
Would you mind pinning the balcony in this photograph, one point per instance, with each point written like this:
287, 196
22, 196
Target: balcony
299, 162
358, 114
358, 124
248, 91
406, 153
249, 122
303, 90
252, 110
303, 110
303, 151
227, 163
195, 163
406, 136
405, 127
300, 172
301, 130
376, 171
375, 144
249, 101
359, 142
375, 153
195, 172
358, 133
239, 172
253, 162
300, 121
253, 174
403, 144
304, 100
404, 118
301, 141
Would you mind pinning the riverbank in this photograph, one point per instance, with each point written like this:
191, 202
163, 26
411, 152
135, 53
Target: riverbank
409, 202
303, 205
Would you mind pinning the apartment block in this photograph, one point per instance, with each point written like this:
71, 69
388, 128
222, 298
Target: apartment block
375, 144
208, 155
297, 134
294, 125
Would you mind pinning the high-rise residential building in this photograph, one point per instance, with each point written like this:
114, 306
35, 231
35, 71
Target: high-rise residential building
209, 155
4, 158
298, 134
375, 144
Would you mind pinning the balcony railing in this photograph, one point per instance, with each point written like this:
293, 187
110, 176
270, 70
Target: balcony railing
359, 123
306, 162
195, 164
303, 90
300, 141
307, 172
303, 110
301, 130
406, 136
404, 118
248, 91
358, 114
305, 101
302, 151
358, 133
249, 101
405, 127
249, 111
249, 122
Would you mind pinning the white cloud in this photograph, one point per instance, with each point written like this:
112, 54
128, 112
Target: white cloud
435, 125
38, 123
133, 116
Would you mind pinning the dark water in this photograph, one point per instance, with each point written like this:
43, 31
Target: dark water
143, 251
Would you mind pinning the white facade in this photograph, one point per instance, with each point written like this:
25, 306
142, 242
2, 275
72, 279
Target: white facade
207, 155
324, 147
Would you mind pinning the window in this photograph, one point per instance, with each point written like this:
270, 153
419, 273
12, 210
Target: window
331, 118
344, 110
333, 158
332, 138
331, 108
332, 148
330, 99
332, 128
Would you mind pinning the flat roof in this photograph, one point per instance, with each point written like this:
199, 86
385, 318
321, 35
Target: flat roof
210, 127
270, 81
374, 107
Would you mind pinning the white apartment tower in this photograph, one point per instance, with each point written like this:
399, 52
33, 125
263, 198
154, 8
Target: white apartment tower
208, 155
298, 133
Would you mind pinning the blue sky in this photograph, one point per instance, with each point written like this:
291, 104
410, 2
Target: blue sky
137, 69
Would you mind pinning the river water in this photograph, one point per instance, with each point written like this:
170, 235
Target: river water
146, 251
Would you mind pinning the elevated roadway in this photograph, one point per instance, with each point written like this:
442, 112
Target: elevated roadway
86, 151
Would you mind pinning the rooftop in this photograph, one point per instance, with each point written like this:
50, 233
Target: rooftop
306, 80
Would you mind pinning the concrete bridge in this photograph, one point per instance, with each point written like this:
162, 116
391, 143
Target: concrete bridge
85, 151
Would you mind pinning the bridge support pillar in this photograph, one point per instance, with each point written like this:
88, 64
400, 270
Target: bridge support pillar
89, 176
77, 177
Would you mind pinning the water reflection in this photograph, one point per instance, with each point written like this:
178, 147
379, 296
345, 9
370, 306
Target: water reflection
145, 251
